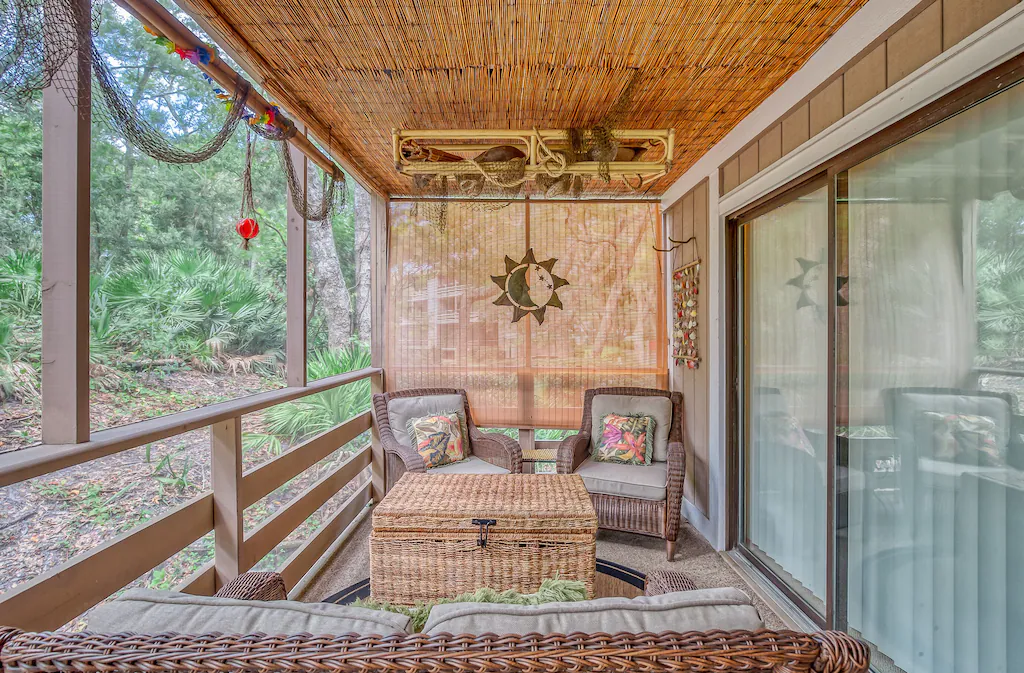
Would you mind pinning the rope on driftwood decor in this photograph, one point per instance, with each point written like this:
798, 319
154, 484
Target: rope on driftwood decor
598, 143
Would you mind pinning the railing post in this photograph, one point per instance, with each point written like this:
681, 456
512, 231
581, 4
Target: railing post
377, 463
379, 223
65, 284
228, 506
528, 445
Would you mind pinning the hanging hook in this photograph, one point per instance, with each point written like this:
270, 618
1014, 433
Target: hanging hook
675, 243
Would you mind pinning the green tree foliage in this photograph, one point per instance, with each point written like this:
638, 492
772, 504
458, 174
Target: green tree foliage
21, 179
999, 279
318, 413
171, 285
20, 324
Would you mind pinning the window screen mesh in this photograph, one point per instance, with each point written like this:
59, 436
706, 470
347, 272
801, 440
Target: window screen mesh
445, 330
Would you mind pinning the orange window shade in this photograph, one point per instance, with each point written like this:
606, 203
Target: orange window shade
444, 328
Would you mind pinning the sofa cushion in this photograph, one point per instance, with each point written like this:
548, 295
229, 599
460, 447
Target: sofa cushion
647, 482
471, 465
682, 611
402, 409
150, 611
660, 408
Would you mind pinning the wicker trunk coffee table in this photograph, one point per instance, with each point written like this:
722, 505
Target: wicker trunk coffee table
437, 536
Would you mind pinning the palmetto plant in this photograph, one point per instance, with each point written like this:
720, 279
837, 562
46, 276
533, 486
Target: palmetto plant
320, 412
20, 323
191, 306
1000, 283
21, 275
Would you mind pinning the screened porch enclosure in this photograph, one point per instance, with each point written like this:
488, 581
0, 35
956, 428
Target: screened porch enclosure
744, 279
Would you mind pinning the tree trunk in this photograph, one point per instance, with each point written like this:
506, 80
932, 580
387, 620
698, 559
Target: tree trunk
329, 284
621, 262
361, 213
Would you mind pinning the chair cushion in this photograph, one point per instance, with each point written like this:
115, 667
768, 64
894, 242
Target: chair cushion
682, 611
660, 408
471, 465
402, 409
150, 611
647, 482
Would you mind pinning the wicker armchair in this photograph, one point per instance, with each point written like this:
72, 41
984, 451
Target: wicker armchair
659, 518
496, 449
722, 651
255, 586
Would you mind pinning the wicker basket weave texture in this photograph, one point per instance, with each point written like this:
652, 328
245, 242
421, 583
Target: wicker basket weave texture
425, 546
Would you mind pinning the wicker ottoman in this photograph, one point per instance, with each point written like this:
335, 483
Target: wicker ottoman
437, 536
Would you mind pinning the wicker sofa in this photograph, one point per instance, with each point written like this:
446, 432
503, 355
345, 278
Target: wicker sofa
666, 652
656, 507
488, 453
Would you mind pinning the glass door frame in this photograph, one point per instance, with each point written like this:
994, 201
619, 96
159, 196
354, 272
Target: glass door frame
828, 172
739, 374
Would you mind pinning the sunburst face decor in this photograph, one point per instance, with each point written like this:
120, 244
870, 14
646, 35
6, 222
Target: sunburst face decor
529, 287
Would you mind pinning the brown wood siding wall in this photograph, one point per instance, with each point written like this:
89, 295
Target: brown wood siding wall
933, 27
689, 217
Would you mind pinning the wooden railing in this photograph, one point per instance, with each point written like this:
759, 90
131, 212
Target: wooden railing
64, 592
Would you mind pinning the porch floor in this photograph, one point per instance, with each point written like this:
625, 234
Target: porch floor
694, 557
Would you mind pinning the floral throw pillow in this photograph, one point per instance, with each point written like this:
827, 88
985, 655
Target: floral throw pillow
961, 438
626, 439
438, 438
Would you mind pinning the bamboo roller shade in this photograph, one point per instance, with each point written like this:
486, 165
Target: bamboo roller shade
357, 69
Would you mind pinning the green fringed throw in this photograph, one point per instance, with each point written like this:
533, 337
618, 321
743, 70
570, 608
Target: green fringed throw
551, 591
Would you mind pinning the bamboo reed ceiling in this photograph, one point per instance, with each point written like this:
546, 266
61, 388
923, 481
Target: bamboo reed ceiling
357, 69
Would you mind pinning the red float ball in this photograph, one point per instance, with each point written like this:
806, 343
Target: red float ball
248, 230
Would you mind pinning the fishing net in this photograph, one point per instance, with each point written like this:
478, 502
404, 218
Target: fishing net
501, 181
37, 37
313, 204
118, 110
248, 208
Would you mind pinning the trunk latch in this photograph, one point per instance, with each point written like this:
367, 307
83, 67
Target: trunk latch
485, 530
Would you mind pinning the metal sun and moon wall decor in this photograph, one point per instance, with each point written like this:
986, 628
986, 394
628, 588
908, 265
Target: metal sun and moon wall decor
529, 287
810, 271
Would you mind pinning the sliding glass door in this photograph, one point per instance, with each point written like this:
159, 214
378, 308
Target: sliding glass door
933, 349
880, 427
785, 299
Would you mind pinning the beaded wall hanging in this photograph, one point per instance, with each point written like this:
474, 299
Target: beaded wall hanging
685, 289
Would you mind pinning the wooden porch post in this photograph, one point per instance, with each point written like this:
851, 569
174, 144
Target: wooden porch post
528, 444
379, 218
295, 279
65, 283
228, 505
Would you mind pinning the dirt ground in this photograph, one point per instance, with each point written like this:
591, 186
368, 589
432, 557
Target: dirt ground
47, 520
